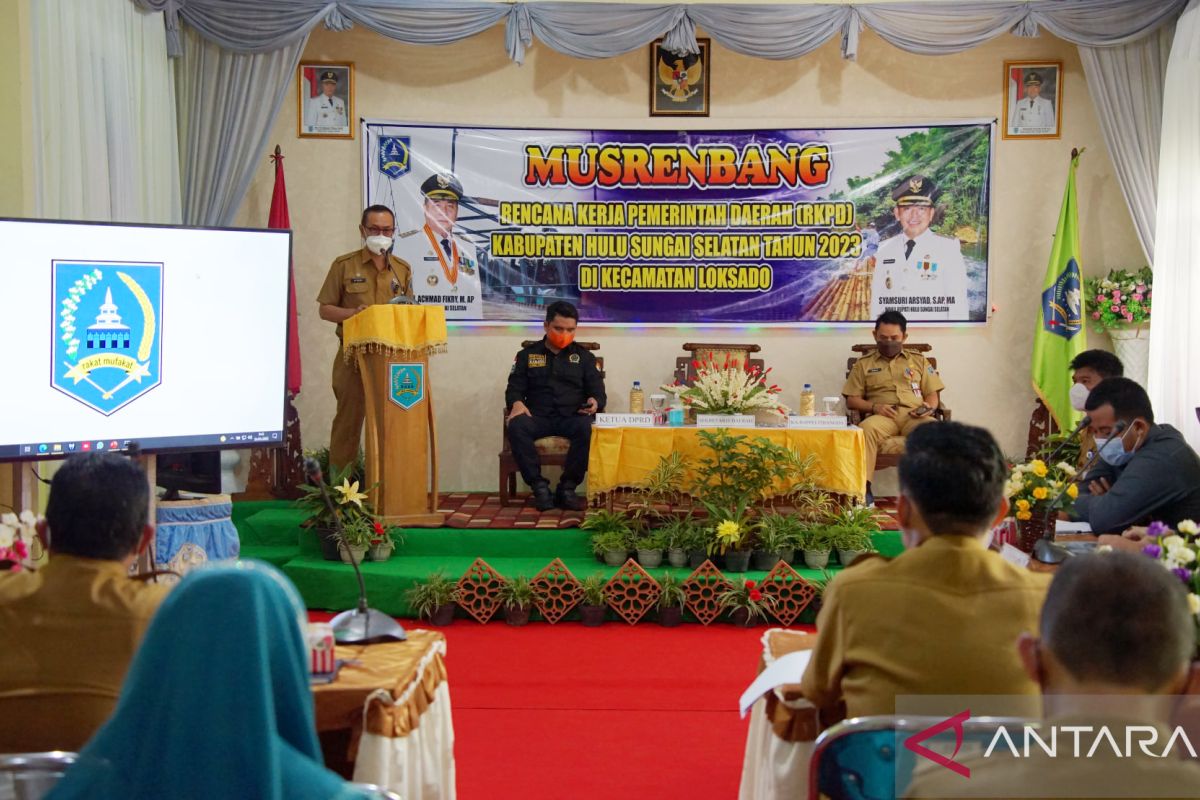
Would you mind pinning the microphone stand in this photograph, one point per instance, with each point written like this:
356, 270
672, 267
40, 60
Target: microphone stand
1045, 550
363, 624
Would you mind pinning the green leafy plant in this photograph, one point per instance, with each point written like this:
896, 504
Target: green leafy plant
653, 540
851, 528
680, 532
610, 530
427, 596
779, 531
815, 538
517, 592
672, 594
1051, 444
747, 595
593, 589
357, 531
1119, 300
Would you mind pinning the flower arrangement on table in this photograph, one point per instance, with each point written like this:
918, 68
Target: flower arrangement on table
1038, 488
18, 541
729, 388
1120, 300
1178, 551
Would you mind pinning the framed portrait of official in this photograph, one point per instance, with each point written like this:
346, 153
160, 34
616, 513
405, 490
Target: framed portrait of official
325, 100
679, 83
1033, 96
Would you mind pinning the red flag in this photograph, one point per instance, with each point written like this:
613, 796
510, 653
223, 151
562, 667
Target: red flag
310, 77
1016, 78
279, 219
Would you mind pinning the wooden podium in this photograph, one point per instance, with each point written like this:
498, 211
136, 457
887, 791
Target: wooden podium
391, 345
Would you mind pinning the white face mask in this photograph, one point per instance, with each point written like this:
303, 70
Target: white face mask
379, 244
1079, 396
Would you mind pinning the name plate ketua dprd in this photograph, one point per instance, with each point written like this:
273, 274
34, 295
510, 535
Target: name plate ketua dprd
724, 420
625, 420
827, 421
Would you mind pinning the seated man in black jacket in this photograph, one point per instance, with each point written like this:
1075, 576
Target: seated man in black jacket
554, 389
1144, 473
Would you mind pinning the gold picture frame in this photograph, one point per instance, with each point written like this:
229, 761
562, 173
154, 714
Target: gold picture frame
679, 84
321, 114
1033, 98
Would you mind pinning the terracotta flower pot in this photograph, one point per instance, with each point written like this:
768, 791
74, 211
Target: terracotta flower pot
592, 616
442, 615
671, 616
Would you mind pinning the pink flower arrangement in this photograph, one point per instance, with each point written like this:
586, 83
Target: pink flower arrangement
1122, 298
17, 535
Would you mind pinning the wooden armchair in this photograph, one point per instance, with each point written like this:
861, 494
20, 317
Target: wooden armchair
891, 450
552, 450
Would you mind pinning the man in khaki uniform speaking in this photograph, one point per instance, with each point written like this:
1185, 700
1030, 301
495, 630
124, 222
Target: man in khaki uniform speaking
898, 389
364, 277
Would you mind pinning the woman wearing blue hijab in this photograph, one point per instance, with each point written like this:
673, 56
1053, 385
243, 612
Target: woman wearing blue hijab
217, 702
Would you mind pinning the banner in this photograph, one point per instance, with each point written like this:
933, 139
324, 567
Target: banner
774, 227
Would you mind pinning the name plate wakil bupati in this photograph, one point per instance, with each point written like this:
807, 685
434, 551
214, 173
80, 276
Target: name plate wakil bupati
625, 420
724, 420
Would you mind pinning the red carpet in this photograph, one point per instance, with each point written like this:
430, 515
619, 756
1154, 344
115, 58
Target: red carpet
571, 712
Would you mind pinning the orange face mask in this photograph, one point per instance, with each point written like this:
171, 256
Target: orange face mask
560, 340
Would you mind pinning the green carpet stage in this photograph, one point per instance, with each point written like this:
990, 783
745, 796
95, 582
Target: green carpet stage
270, 530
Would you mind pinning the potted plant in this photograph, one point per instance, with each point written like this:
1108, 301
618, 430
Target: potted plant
1120, 305
610, 535
434, 598
850, 532
675, 535
820, 584
746, 603
732, 387
649, 548
814, 540
594, 607
382, 543
694, 541
349, 505
777, 535
1037, 491
670, 601
729, 538
517, 595
354, 539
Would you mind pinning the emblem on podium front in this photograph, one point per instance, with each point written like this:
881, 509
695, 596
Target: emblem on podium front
407, 384
107, 332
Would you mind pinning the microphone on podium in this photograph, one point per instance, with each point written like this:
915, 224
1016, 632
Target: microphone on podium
363, 624
1045, 550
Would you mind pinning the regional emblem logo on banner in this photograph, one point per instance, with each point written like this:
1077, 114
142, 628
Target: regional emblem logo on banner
1062, 303
393, 155
108, 332
407, 382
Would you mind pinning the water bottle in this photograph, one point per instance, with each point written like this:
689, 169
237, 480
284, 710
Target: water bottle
808, 401
637, 400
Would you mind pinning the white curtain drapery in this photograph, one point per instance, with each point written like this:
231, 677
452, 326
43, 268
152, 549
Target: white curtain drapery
1175, 331
103, 113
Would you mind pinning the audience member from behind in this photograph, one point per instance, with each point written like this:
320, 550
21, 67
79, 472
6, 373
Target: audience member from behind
940, 618
1145, 472
1117, 639
217, 702
69, 630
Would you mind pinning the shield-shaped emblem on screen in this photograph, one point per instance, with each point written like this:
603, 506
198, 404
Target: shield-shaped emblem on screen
393, 155
107, 332
407, 384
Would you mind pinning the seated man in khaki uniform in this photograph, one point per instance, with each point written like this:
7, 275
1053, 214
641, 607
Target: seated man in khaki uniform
358, 279
898, 389
940, 618
1116, 637
70, 629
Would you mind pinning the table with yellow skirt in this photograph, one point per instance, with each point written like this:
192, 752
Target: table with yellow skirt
622, 457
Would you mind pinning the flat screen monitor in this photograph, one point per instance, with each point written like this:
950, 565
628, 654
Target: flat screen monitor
169, 337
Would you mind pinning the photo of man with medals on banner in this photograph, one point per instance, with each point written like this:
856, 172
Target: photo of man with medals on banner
445, 266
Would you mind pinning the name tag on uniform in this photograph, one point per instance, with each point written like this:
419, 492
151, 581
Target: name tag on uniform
358, 279
537, 360
875, 369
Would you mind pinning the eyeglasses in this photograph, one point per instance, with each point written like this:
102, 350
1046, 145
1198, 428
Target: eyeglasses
377, 231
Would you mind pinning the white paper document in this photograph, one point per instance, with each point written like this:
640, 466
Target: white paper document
1063, 526
786, 670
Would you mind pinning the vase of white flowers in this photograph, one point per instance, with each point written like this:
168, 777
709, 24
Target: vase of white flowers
731, 387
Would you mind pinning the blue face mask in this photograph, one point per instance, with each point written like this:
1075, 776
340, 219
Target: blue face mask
1116, 455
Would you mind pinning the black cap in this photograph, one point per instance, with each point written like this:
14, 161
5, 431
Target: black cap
1033, 79
329, 75
915, 191
442, 185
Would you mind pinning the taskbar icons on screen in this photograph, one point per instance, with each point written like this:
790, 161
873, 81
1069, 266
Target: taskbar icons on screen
62, 449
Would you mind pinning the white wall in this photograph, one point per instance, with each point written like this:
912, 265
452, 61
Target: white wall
986, 369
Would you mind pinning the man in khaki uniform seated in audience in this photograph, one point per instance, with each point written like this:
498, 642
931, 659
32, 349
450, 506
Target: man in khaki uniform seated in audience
1117, 640
70, 629
940, 618
898, 389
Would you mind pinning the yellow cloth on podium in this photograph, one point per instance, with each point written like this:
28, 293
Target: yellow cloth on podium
405, 331
622, 457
